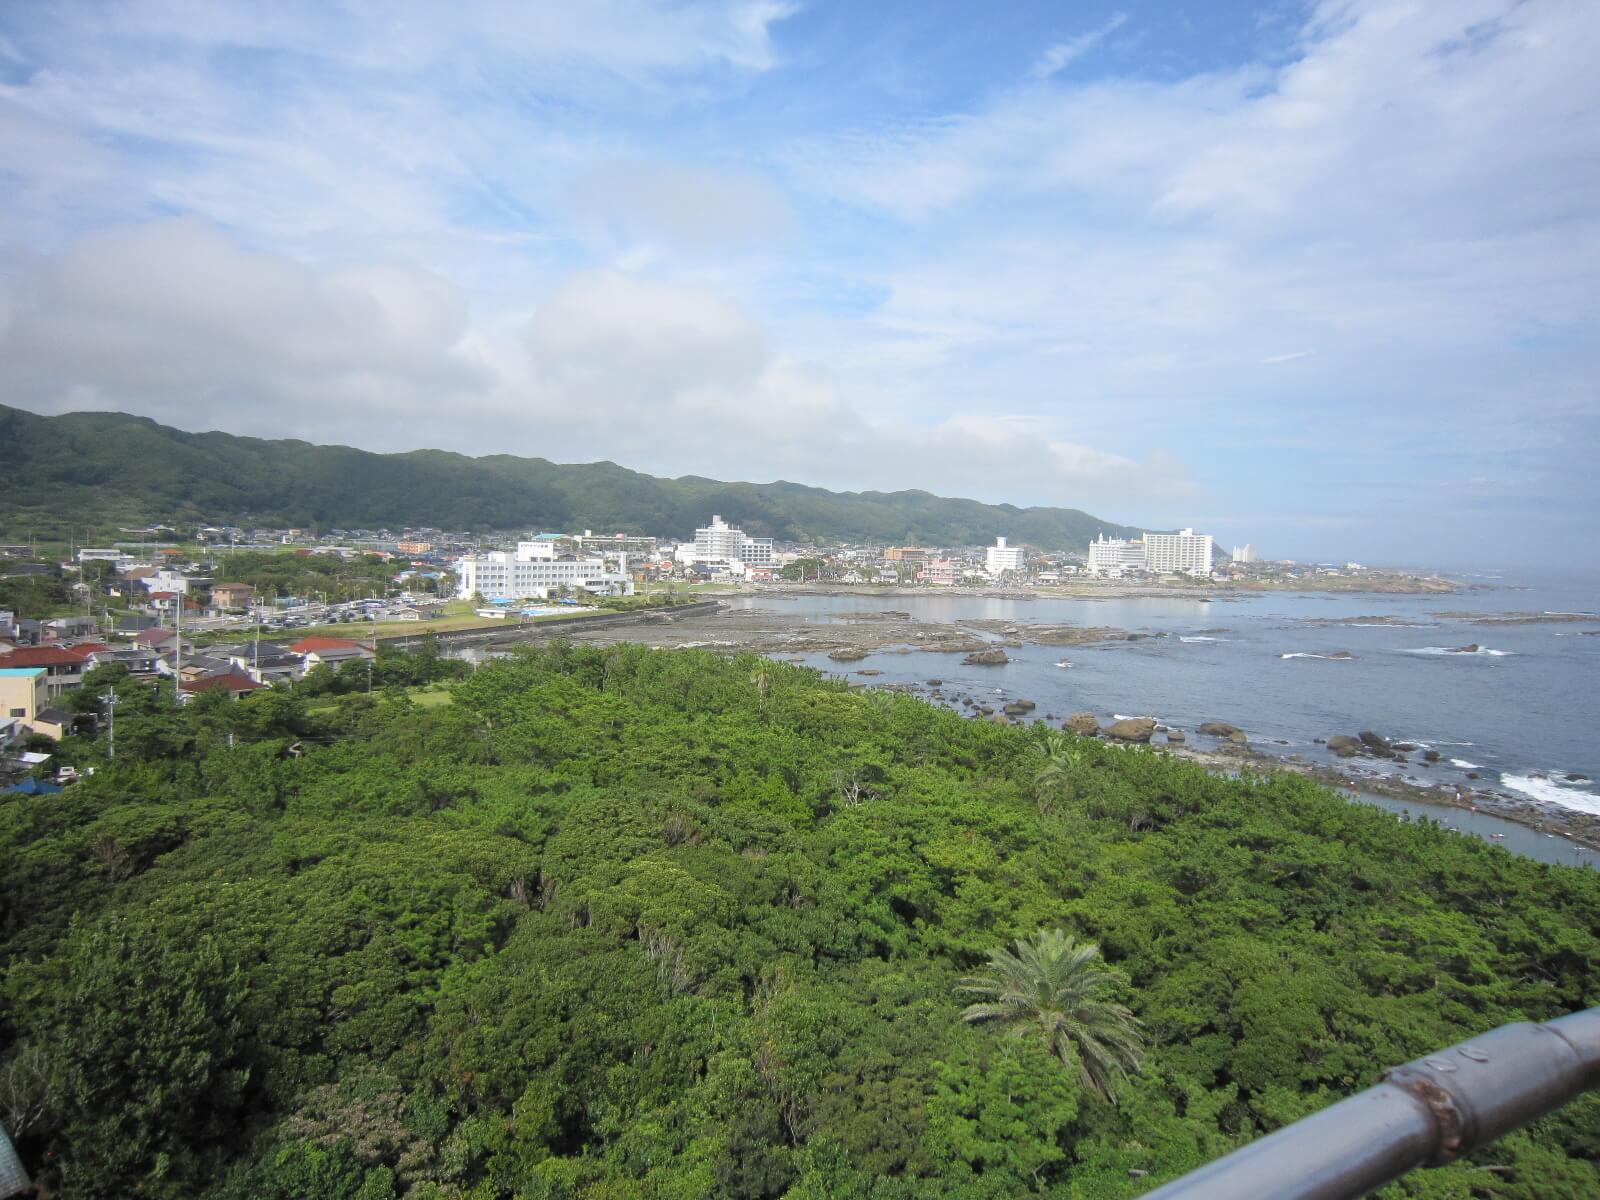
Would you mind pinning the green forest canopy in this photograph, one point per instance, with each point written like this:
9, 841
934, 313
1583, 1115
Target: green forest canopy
620, 923
101, 469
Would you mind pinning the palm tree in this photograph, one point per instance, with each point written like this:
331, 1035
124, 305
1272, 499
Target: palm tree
762, 678
1051, 986
1060, 759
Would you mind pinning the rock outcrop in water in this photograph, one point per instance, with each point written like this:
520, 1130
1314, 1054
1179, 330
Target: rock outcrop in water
1221, 729
1085, 724
986, 658
1131, 729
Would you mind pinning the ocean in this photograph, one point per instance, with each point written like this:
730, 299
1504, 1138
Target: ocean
1520, 711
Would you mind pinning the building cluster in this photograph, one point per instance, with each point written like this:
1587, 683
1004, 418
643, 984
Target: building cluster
41, 661
1183, 553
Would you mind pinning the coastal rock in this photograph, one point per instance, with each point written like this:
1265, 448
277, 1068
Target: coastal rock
1027, 705
1577, 777
935, 683
1374, 741
869, 671
1085, 724
1406, 747
1345, 746
1177, 737
1014, 710
1341, 655
847, 654
1431, 756
1131, 729
986, 658
1471, 648
1222, 729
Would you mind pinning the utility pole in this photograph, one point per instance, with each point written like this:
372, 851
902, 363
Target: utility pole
109, 699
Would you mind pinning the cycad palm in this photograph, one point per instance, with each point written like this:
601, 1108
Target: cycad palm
1051, 986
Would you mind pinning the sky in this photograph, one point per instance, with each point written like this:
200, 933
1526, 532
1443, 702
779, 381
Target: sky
1321, 277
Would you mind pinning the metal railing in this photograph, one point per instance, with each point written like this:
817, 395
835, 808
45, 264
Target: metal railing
1426, 1113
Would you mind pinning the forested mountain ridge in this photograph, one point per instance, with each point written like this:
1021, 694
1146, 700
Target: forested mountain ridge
621, 924
105, 468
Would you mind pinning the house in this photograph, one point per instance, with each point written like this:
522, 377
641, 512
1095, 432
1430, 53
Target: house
233, 595
135, 623
234, 685
65, 628
265, 662
54, 723
156, 638
140, 660
202, 666
316, 650
63, 668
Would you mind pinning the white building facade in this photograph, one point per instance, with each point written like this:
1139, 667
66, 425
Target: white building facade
1114, 557
1244, 554
720, 542
1000, 558
529, 575
1183, 553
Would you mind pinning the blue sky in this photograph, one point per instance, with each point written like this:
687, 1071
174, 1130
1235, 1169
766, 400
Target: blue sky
1318, 276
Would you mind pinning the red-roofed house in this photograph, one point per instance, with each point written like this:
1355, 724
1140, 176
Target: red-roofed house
63, 668
317, 650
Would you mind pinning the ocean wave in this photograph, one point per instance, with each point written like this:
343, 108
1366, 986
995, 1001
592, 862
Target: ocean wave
1548, 791
1198, 638
1464, 764
1329, 657
1385, 625
1460, 652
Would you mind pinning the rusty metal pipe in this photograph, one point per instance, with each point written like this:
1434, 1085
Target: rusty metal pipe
1426, 1113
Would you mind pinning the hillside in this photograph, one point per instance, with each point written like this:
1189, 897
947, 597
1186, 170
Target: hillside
104, 469
626, 924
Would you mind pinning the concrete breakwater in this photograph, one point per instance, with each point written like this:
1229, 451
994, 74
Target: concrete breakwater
511, 634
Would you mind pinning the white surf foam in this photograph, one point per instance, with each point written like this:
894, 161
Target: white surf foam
1480, 652
1303, 654
1464, 764
1198, 638
1548, 791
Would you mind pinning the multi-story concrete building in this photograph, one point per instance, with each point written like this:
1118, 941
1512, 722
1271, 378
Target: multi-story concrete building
528, 574
24, 693
940, 572
1000, 558
721, 542
905, 554
632, 545
1113, 557
1244, 554
1183, 553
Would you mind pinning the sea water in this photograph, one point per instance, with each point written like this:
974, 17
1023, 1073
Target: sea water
1519, 712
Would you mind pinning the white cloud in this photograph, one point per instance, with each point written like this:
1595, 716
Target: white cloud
1063, 53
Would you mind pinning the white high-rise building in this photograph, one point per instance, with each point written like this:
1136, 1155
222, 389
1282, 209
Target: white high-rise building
1000, 558
721, 542
1244, 554
1115, 556
1183, 553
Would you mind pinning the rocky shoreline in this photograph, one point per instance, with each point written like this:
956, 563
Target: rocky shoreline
1364, 760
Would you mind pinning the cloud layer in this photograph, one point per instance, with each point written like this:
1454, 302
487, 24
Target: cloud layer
1335, 293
